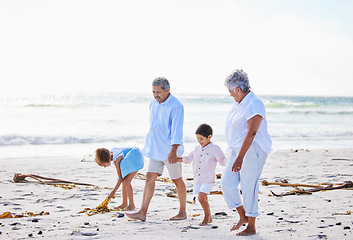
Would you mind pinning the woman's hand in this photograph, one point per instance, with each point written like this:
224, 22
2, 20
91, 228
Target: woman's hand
253, 126
237, 164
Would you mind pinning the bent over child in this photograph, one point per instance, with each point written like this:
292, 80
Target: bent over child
127, 162
204, 159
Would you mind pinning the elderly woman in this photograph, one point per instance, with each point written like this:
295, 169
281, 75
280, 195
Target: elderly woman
248, 145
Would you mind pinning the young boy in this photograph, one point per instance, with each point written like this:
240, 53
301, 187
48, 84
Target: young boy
204, 159
127, 162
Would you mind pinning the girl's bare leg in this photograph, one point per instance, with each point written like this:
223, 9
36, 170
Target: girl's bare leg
129, 191
125, 201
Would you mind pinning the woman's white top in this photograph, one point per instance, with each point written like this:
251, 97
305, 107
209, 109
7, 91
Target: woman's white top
237, 123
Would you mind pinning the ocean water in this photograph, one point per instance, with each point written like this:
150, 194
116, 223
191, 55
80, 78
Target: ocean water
76, 124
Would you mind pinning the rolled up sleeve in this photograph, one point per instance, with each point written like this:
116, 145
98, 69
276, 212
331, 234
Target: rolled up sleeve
177, 125
256, 108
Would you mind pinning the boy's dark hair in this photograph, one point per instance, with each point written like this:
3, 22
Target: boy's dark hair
204, 130
103, 155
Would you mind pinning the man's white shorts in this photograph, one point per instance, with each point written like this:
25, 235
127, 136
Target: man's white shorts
174, 170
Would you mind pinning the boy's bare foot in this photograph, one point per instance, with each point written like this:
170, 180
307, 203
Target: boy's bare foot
179, 216
247, 232
240, 223
129, 208
138, 216
206, 221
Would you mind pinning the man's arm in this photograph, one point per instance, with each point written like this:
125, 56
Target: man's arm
172, 156
176, 132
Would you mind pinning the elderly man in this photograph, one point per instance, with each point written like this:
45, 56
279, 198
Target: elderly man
164, 142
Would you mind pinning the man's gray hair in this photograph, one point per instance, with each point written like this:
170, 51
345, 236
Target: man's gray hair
161, 81
239, 79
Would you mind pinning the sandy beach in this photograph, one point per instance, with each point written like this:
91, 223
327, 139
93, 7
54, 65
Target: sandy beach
322, 215
78, 75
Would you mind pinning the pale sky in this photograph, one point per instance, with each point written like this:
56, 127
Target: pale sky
301, 47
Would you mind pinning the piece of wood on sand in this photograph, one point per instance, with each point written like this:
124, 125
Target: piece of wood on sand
345, 185
21, 178
286, 184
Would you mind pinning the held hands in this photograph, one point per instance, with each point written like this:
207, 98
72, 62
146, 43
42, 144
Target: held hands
237, 164
172, 157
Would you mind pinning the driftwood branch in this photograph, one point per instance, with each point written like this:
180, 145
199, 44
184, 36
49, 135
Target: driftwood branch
347, 184
286, 184
21, 178
342, 159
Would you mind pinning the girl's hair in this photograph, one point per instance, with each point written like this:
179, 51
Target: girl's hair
161, 81
103, 155
239, 79
204, 130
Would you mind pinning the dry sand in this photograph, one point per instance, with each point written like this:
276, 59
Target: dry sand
289, 217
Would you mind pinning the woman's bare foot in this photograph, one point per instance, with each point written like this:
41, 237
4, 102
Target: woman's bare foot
247, 232
240, 223
138, 216
129, 208
180, 216
206, 221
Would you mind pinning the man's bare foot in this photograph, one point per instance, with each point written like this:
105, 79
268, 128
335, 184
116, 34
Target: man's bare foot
240, 223
247, 232
138, 216
179, 216
129, 208
206, 221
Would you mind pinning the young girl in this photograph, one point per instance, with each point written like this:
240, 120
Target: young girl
204, 159
127, 162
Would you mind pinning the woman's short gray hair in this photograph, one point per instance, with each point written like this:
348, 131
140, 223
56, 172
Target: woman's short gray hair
161, 81
239, 79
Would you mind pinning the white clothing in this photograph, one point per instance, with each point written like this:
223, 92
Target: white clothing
174, 169
204, 161
166, 129
117, 152
237, 122
203, 187
248, 177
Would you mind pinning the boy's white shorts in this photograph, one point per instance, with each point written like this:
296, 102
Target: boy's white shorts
203, 187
